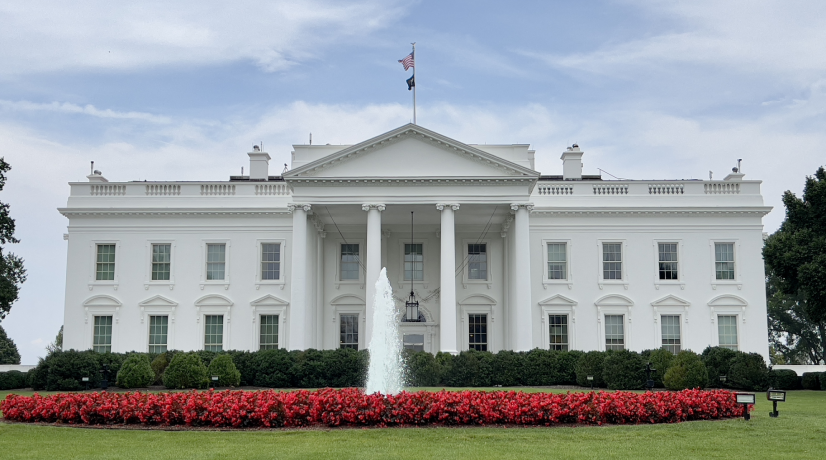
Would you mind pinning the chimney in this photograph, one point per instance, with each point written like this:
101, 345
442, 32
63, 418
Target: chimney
259, 164
572, 163
96, 176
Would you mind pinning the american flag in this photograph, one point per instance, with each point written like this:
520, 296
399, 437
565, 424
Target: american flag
407, 62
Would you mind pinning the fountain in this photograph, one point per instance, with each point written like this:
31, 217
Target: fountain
385, 374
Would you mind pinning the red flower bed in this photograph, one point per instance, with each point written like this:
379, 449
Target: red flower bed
351, 407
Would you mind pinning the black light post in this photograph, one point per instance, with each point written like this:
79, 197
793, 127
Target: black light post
104, 383
412, 305
745, 399
722, 380
649, 383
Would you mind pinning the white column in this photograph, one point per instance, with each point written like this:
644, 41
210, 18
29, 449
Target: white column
447, 304
299, 298
320, 304
373, 263
523, 340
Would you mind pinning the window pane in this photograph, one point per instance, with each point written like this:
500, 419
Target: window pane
612, 261
105, 266
557, 261
214, 332
614, 332
158, 329
413, 262
269, 332
414, 342
161, 261
478, 332
349, 262
270, 261
727, 329
216, 261
349, 331
102, 338
558, 332
670, 325
724, 260
668, 261
477, 261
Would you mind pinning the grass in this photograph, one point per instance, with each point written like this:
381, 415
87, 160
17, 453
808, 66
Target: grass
799, 433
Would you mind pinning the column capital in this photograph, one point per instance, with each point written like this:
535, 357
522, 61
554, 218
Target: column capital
515, 206
293, 206
322, 234
442, 206
369, 206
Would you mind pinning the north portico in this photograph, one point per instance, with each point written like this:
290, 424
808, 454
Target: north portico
500, 256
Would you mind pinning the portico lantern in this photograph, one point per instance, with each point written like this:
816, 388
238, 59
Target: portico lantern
412, 305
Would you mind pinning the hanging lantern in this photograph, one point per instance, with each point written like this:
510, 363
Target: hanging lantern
412, 305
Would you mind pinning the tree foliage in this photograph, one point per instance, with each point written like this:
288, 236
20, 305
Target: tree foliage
57, 345
8, 350
12, 273
792, 335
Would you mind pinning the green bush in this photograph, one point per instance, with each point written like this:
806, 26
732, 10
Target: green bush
822, 379
223, 368
135, 372
785, 379
623, 370
158, 366
245, 363
810, 380
507, 368
186, 370
207, 356
748, 372
273, 368
591, 363
660, 359
64, 370
423, 370
551, 367
470, 369
308, 370
718, 362
12, 380
344, 367
686, 371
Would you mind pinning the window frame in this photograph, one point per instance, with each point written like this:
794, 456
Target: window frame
362, 251
149, 330
679, 317
269, 305
359, 331
466, 266
569, 281
282, 280
737, 272
111, 331
339, 261
478, 309
277, 325
357, 308
614, 304
93, 249
559, 305
227, 263
738, 329
624, 260
425, 272
680, 281
624, 330
148, 281
224, 327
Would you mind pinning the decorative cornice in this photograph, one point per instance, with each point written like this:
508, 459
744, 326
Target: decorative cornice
761, 211
293, 206
515, 206
378, 206
69, 212
442, 206
402, 181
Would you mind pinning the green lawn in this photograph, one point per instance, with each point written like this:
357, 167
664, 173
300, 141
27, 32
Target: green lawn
799, 432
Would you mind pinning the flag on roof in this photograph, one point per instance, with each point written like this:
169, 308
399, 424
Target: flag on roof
407, 62
411, 82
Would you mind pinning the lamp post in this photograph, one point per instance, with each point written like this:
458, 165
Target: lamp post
104, 383
412, 305
722, 380
590, 379
649, 383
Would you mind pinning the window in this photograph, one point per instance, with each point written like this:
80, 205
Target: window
614, 332
161, 261
214, 332
270, 261
724, 260
557, 261
349, 262
477, 263
727, 329
216, 261
349, 331
668, 261
612, 261
414, 342
413, 262
102, 338
105, 266
158, 329
670, 325
558, 332
269, 333
478, 332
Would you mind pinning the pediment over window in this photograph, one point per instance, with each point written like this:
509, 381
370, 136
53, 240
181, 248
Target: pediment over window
102, 301
213, 300
158, 301
558, 301
478, 299
614, 300
727, 300
269, 300
671, 301
348, 299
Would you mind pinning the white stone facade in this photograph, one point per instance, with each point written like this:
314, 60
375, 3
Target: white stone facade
461, 195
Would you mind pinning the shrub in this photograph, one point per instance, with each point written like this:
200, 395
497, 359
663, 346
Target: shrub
687, 371
660, 359
223, 368
12, 380
470, 369
308, 370
551, 367
159, 365
422, 369
344, 367
507, 368
273, 368
718, 362
64, 371
591, 363
624, 370
748, 372
785, 379
810, 380
206, 356
245, 363
135, 372
186, 370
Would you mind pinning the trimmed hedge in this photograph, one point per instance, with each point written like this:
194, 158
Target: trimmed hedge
785, 379
223, 368
810, 380
13, 380
661, 360
591, 363
185, 371
159, 365
718, 362
687, 371
623, 370
748, 372
136, 372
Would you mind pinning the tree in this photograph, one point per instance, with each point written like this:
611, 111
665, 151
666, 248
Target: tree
12, 273
8, 350
57, 345
795, 256
792, 334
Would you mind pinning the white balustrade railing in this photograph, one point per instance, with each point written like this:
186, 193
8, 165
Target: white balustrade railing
218, 189
272, 189
555, 189
722, 188
163, 189
666, 189
610, 189
107, 190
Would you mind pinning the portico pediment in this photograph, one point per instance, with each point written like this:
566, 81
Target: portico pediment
410, 152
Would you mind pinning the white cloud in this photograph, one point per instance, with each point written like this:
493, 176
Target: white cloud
69, 108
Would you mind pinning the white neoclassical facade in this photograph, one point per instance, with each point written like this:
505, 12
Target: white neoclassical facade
500, 256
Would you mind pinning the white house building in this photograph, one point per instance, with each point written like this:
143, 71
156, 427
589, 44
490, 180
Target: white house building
500, 256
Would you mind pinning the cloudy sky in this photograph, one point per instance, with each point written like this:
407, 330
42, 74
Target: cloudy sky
162, 91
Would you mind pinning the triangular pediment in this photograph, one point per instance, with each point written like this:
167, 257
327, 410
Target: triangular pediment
558, 300
670, 301
158, 301
410, 152
269, 300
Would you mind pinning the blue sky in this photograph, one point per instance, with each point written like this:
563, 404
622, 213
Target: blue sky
149, 90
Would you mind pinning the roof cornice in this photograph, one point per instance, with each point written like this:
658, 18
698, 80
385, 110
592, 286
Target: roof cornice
671, 210
113, 212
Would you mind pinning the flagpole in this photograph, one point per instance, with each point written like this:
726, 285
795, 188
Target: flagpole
414, 82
